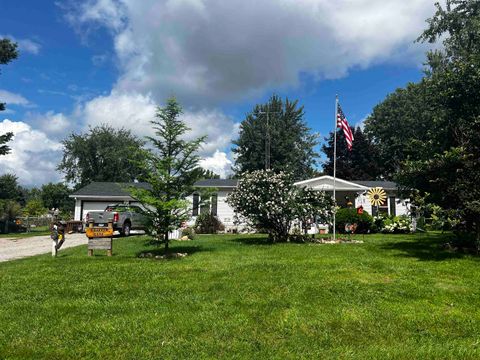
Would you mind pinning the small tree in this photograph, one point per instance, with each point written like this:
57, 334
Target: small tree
272, 202
34, 207
172, 170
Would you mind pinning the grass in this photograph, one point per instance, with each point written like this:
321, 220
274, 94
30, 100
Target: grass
37, 231
393, 297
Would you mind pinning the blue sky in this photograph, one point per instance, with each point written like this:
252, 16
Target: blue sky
83, 63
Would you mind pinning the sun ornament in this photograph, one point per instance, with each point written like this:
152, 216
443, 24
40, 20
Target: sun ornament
377, 196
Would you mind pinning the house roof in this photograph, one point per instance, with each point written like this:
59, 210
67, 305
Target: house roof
107, 189
217, 183
387, 185
120, 190
327, 182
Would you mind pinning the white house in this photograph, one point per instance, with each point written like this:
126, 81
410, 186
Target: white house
97, 195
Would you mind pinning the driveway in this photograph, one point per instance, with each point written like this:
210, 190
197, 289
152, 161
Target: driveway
11, 249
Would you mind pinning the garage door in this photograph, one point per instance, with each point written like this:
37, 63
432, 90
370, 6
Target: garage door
93, 206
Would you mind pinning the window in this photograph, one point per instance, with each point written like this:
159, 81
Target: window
196, 202
206, 206
383, 208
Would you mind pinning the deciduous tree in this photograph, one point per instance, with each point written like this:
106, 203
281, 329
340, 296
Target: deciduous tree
57, 196
8, 52
292, 143
101, 154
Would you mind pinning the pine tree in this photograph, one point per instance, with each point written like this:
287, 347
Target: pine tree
360, 163
171, 169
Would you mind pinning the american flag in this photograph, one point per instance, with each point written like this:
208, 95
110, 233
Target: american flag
342, 123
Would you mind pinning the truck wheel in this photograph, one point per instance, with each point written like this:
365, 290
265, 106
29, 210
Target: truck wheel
126, 229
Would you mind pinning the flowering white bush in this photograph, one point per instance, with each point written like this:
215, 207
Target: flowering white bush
270, 201
399, 224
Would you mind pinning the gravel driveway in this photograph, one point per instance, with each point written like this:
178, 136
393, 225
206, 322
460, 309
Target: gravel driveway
11, 249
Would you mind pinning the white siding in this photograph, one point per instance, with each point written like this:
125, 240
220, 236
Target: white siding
402, 207
224, 212
78, 209
363, 200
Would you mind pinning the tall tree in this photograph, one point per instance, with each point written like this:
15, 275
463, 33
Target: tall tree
171, 169
102, 154
56, 196
291, 141
10, 189
435, 123
360, 163
8, 52
401, 126
451, 174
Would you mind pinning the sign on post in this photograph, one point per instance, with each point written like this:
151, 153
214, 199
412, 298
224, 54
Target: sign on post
100, 238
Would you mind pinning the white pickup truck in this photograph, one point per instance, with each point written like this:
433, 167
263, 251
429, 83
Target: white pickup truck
124, 217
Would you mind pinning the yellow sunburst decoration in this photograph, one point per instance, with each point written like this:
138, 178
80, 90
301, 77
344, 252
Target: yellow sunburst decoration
377, 196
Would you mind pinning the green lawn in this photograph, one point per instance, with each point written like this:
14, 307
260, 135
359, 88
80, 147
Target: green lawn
393, 297
41, 230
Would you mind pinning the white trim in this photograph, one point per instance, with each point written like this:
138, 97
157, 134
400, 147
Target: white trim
354, 186
216, 187
96, 197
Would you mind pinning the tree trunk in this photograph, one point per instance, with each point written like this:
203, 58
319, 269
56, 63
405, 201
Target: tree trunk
478, 235
166, 242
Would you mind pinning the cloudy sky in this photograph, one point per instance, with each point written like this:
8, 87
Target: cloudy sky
84, 63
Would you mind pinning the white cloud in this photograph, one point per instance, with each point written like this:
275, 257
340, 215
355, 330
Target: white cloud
34, 156
54, 123
29, 46
206, 51
25, 45
134, 111
12, 98
212, 52
219, 163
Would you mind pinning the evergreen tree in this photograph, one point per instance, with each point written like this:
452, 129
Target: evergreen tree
171, 169
291, 141
360, 163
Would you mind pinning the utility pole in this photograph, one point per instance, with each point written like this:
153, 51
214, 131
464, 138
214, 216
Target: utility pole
267, 137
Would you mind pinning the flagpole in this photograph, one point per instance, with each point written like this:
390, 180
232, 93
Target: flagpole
335, 166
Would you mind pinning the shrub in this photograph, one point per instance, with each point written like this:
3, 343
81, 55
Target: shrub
349, 216
271, 201
398, 225
190, 232
207, 223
